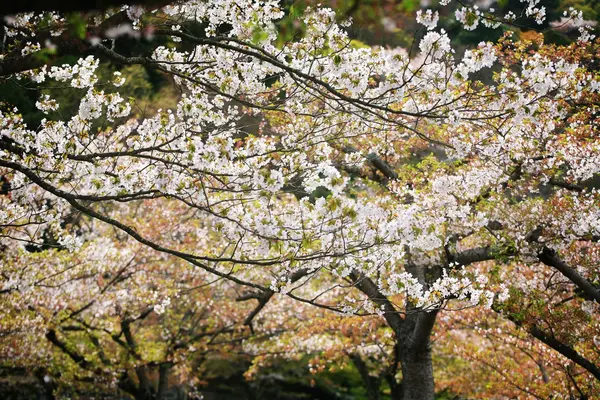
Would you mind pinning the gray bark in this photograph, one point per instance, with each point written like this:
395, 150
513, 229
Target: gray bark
417, 376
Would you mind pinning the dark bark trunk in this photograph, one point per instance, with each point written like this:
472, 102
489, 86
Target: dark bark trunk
417, 376
415, 357
127, 386
412, 337
145, 395
372, 383
163, 380
373, 390
145, 390
395, 387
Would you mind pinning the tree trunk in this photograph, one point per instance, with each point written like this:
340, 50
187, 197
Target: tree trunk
417, 376
373, 390
395, 387
145, 390
163, 381
372, 383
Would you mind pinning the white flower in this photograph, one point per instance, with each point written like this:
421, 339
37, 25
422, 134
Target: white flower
585, 35
118, 80
30, 48
504, 294
435, 44
588, 307
47, 104
429, 19
469, 17
510, 16
161, 307
70, 243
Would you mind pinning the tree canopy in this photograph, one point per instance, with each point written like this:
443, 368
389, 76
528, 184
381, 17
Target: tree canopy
190, 184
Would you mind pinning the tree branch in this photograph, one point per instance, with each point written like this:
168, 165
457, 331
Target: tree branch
140, 370
471, 256
422, 331
549, 257
78, 358
264, 297
556, 344
368, 287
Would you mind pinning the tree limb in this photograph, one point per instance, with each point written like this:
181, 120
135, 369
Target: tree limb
549, 257
368, 287
552, 342
75, 356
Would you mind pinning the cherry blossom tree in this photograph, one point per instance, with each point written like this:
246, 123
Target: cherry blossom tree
356, 180
112, 316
